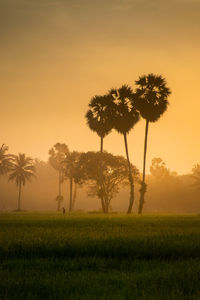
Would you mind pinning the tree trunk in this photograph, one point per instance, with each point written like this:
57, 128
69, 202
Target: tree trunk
71, 189
143, 184
59, 183
101, 179
103, 205
107, 204
58, 205
74, 195
19, 195
59, 189
130, 177
101, 146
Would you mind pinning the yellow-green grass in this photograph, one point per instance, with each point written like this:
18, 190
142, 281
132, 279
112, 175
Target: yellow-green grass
91, 256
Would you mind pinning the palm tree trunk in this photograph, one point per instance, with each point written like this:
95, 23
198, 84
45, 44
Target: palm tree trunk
143, 184
59, 182
101, 180
71, 189
19, 195
130, 177
101, 146
58, 205
74, 195
59, 189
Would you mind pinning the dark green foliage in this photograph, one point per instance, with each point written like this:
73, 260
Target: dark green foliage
99, 278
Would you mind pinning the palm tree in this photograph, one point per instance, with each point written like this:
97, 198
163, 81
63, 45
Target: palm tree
98, 118
124, 117
73, 172
57, 155
5, 160
22, 170
151, 101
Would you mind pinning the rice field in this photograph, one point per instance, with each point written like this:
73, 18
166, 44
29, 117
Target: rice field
93, 256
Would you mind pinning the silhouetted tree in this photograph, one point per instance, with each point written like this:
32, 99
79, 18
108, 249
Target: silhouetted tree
158, 169
124, 117
5, 160
73, 171
57, 155
196, 176
99, 119
151, 100
98, 116
115, 171
21, 171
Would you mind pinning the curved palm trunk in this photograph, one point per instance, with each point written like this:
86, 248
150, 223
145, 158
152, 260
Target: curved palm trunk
19, 195
143, 184
101, 175
130, 177
71, 189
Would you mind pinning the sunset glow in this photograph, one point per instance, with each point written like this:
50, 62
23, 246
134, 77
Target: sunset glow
55, 55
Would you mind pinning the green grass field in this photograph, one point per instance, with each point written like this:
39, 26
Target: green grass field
91, 256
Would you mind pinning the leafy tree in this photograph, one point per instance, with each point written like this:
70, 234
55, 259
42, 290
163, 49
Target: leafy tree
5, 160
196, 176
124, 117
57, 155
73, 171
115, 172
21, 171
158, 169
151, 98
98, 116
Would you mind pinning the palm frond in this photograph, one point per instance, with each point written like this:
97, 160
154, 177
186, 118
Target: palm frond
151, 96
22, 169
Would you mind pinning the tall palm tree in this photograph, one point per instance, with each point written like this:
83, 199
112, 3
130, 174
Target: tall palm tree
22, 170
151, 98
5, 160
98, 118
57, 155
124, 117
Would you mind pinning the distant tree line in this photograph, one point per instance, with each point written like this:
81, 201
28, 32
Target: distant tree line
120, 109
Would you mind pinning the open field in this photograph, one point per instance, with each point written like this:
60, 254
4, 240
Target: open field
91, 256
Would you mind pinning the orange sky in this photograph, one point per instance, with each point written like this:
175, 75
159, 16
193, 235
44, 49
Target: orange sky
56, 54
